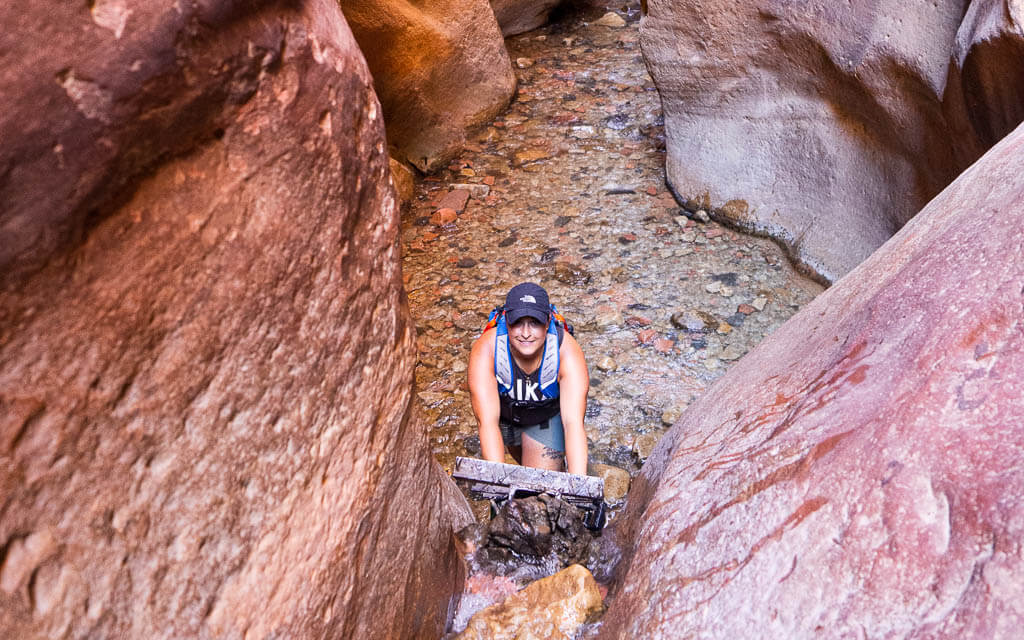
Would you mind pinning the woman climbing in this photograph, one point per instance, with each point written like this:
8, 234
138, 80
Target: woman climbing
528, 383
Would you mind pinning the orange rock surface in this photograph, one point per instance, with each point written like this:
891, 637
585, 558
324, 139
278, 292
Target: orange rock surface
206, 360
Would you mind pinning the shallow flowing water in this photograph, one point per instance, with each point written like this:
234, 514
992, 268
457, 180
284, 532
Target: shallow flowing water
569, 192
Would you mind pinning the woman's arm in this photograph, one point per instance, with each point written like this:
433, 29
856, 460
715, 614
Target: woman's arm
483, 392
573, 384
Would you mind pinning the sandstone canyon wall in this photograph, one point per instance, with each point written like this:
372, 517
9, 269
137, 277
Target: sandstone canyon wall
520, 16
439, 67
828, 125
205, 355
858, 473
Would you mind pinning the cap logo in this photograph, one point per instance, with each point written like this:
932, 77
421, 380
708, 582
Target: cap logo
528, 298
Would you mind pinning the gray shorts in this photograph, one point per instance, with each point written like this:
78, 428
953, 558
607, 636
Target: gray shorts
551, 434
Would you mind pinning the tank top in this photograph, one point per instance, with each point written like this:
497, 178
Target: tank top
524, 405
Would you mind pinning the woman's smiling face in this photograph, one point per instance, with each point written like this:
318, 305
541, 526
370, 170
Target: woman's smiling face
527, 337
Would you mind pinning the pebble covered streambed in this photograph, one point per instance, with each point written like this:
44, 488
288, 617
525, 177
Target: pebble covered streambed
567, 189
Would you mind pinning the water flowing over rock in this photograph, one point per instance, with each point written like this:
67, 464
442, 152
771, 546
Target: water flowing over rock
520, 16
828, 125
206, 358
439, 67
858, 473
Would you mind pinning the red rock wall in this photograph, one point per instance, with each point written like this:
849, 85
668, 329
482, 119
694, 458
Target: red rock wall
440, 68
519, 16
828, 125
984, 96
206, 359
859, 473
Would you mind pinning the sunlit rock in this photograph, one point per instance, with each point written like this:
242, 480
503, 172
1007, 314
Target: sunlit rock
610, 19
439, 67
828, 125
858, 473
205, 356
519, 16
403, 179
616, 481
552, 608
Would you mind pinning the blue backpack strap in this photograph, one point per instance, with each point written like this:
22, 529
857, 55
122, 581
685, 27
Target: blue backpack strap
551, 361
502, 352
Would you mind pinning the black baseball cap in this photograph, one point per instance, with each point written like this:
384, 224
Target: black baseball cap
527, 299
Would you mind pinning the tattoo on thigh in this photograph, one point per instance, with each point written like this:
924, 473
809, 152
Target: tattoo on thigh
552, 454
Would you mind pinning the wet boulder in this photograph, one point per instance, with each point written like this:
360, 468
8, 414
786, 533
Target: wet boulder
206, 359
520, 16
439, 67
828, 125
528, 538
858, 473
616, 481
553, 608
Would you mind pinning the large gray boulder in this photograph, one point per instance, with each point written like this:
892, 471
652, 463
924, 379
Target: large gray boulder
828, 125
858, 474
206, 361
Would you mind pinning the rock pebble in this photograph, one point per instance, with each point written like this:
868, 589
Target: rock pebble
694, 320
731, 352
646, 336
611, 19
663, 345
455, 199
644, 444
402, 177
443, 216
534, 154
671, 415
476, 190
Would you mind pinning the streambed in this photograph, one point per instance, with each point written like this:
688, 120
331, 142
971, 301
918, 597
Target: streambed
567, 189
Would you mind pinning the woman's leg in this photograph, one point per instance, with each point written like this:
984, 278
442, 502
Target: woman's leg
512, 438
540, 456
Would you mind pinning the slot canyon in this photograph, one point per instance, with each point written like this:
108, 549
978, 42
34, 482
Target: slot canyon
246, 247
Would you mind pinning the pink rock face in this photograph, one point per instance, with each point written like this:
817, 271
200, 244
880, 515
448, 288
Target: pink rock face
828, 125
205, 357
859, 473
